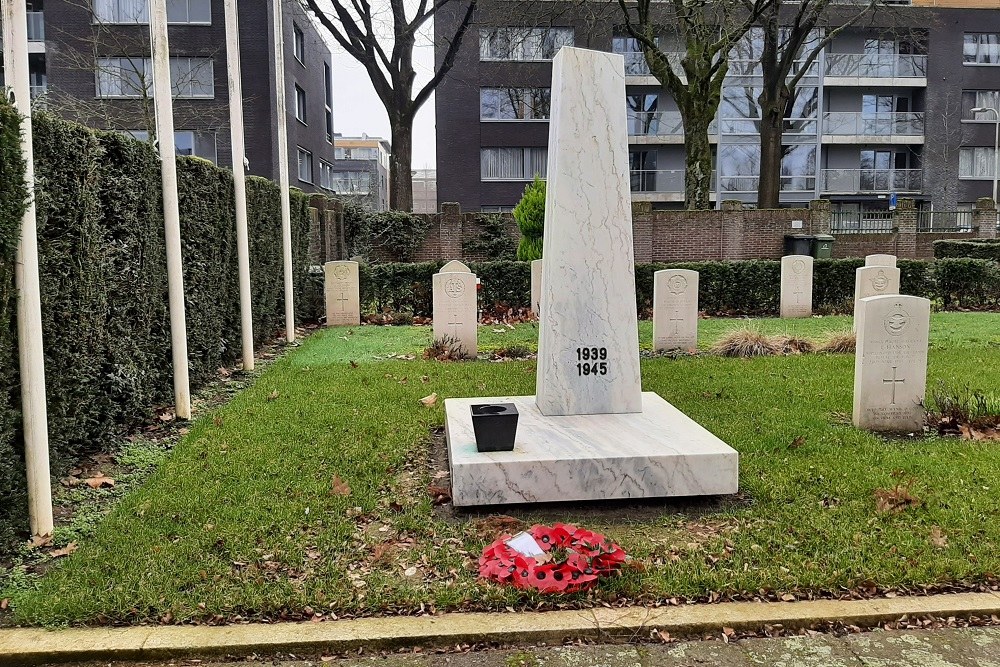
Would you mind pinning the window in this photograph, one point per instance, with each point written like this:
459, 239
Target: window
137, 11
972, 99
188, 142
351, 182
325, 175
518, 43
355, 153
328, 99
513, 103
305, 165
300, 104
299, 44
976, 162
512, 164
133, 77
981, 48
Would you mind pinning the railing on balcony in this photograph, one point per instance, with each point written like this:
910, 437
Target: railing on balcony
659, 124
635, 63
658, 180
37, 91
944, 221
751, 183
851, 123
861, 222
36, 26
748, 67
875, 65
871, 181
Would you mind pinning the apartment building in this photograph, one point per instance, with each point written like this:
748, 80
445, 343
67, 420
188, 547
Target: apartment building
425, 191
90, 62
361, 170
886, 109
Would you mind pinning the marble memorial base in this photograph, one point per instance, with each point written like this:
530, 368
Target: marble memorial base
655, 453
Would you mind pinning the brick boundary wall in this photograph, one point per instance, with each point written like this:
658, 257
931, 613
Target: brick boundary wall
731, 233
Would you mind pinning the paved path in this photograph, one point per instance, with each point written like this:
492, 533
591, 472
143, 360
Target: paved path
960, 647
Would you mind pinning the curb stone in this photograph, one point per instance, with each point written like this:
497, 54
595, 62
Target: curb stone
32, 646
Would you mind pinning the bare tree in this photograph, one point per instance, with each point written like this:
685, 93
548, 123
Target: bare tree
709, 29
382, 40
790, 44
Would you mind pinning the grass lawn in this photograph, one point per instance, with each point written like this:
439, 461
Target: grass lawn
248, 516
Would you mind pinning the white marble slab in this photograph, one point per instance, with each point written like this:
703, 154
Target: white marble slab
659, 452
343, 294
588, 347
455, 311
875, 280
455, 266
890, 363
880, 260
536, 286
675, 309
796, 286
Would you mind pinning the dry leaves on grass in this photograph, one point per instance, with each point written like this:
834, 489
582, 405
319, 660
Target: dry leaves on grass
39, 541
428, 401
339, 487
99, 481
440, 494
938, 538
273, 396
65, 551
797, 442
896, 499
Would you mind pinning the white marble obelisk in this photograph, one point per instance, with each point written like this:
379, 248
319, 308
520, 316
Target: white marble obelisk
588, 347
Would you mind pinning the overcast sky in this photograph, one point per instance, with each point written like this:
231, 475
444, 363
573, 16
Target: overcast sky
357, 109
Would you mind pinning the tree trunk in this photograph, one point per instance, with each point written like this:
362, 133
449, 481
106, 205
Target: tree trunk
400, 164
772, 129
697, 115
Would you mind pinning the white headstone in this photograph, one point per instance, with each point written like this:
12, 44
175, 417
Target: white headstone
536, 285
890, 364
455, 266
588, 346
675, 309
343, 299
455, 312
796, 286
876, 280
880, 260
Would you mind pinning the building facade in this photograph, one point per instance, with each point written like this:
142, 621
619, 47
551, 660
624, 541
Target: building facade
90, 62
361, 170
885, 109
425, 191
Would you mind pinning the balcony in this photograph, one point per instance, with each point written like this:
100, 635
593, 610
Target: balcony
872, 181
659, 180
850, 126
36, 26
749, 184
862, 222
666, 125
635, 63
856, 67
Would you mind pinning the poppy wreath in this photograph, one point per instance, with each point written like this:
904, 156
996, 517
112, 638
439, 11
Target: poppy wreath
574, 559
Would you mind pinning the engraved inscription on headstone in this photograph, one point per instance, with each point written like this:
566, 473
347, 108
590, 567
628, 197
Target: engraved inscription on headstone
874, 280
796, 286
890, 366
455, 319
342, 288
675, 309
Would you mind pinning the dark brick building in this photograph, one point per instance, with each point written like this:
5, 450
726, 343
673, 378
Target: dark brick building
90, 63
885, 109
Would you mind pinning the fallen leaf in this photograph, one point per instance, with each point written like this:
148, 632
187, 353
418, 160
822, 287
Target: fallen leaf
40, 541
440, 494
938, 539
273, 396
4, 604
166, 416
65, 551
429, 400
224, 372
99, 482
354, 364
217, 420
896, 499
410, 571
797, 442
788, 597
339, 487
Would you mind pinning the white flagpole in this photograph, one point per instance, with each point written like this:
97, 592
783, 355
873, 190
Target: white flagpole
29, 303
171, 214
239, 178
280, 95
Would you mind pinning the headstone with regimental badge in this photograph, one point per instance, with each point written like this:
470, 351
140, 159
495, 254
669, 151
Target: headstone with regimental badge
876, 280
455, 313
890, 364
342, 289
675, 309
880, 260
796, 286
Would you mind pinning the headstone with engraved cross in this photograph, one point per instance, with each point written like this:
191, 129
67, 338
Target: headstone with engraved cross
890, 364
343, 302
796, 286
455, 321
675, 309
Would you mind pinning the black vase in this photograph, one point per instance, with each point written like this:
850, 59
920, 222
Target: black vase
495, 425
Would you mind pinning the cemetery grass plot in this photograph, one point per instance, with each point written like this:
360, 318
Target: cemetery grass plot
319, 501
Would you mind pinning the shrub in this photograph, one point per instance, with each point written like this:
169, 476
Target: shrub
493, 242
971, 249
788, 344
968, 283
747, 341
399, 233
842, 342
530, 216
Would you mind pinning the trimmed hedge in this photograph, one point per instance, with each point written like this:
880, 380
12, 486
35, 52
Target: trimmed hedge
102, 259
746, 287
971, 249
